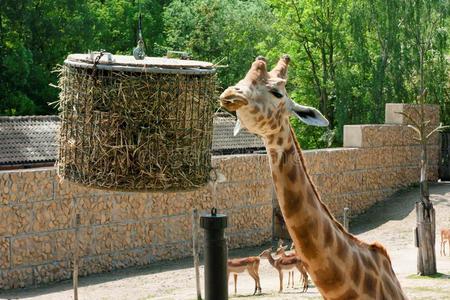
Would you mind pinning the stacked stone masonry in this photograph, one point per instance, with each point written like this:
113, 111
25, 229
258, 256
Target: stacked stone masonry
123, 229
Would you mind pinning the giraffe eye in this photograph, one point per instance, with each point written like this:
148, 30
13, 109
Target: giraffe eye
276, 92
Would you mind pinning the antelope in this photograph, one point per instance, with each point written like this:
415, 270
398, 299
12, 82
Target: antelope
281, 251
239, 265
445, 237
284, 264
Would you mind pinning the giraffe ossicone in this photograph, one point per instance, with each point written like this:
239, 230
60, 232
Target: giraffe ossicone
340, 265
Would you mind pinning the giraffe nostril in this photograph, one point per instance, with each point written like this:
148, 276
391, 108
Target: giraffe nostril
238, 90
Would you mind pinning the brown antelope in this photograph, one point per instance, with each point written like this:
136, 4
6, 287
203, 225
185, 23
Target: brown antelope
445, 237
239, 265
284, 264
281, 251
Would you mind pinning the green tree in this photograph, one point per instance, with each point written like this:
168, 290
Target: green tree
36, 36
224, 32
352, 57
15, 61
313, 33
116, 21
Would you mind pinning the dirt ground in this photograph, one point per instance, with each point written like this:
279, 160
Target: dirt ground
390, 222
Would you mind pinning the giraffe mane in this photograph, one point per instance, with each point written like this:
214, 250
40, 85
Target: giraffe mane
376, 246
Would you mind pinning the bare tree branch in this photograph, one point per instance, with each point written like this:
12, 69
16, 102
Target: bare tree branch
439, 128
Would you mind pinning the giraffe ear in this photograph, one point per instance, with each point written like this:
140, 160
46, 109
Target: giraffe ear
309, 115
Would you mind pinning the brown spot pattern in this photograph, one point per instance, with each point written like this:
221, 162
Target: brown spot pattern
307, 237
368, 263
282, 162
280, 141
255, 110
278, 114
370, 285
387, 267
389, 288
342, 248
330, 277
311, 198
292, 202
292, 174
291, 149
375, 256
356, 269
328, 234
287, 155
273, 126
379, 290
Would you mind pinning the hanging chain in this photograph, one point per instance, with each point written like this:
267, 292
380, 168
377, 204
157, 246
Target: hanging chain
139, 51
94, 67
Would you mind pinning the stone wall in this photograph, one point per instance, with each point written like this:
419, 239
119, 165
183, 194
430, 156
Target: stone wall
121, 229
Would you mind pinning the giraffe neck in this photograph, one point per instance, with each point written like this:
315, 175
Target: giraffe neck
341, 266
297, 195
305, 215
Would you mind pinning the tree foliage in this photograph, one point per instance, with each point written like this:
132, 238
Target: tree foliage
349, 58
352, 57
224, 32
37, 35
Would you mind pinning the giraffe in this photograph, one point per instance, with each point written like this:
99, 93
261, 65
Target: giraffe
340, 265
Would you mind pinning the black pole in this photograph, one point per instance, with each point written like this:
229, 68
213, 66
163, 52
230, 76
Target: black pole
216, 254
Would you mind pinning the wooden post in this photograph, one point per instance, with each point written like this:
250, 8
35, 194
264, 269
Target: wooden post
195, 251
426, 257
75, 258
346, 222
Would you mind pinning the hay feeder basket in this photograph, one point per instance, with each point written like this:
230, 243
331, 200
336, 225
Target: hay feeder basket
131, 124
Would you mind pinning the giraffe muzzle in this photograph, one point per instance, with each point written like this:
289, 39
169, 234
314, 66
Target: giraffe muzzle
232, 99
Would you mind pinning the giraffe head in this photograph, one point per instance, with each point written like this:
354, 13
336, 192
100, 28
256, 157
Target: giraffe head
261, 101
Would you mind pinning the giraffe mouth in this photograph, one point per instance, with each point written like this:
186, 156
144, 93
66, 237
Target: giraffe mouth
232, 101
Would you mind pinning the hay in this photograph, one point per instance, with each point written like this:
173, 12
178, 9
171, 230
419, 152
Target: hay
135, 130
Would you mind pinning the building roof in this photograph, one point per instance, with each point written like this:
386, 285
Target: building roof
28, 139
224, 142
32, 140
